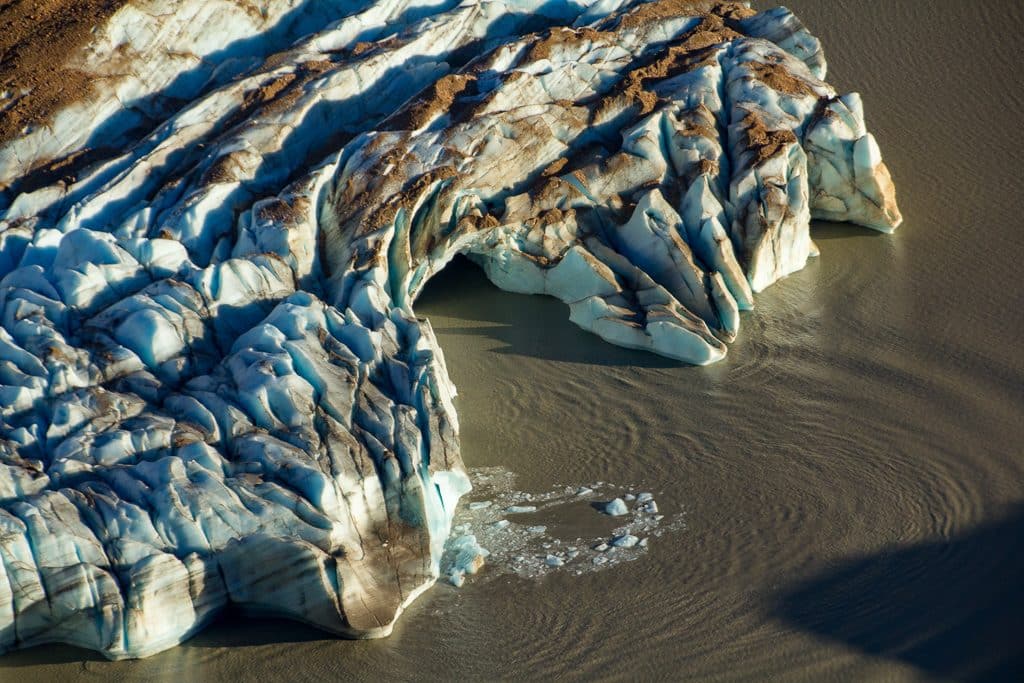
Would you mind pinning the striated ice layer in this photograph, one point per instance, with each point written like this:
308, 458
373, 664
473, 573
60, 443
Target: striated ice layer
213, 386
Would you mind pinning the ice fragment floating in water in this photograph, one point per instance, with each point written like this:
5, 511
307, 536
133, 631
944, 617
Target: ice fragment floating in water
616, 508
625, 541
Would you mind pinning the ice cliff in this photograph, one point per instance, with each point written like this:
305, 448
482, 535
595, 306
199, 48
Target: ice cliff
213, 385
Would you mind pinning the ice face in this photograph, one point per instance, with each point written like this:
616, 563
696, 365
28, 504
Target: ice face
213, 385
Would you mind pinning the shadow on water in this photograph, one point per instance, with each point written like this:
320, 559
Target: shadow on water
824, 231
231, 628
236, 628
952, 608
48, 655
526, 325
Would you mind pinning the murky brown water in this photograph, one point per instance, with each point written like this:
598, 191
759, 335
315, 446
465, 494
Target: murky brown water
852, 476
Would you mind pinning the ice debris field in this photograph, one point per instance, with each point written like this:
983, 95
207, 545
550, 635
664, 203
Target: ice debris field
214, 387
532, 534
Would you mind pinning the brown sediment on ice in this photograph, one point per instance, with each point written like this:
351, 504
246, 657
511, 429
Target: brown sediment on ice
698, 130
408, 197
224, 169
554, 167
280, 92
557, 37
474, 222
64, 170
435, 100
778, 77
283, 211
268, 91
691, 51
34, 36
662, 10
708, 167
365, 47
765, 143
362, 47
552, 190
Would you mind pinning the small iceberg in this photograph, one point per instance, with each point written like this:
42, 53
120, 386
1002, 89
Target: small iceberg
616, 508
625, 541
463, 555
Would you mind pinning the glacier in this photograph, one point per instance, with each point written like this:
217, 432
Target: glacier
214, 388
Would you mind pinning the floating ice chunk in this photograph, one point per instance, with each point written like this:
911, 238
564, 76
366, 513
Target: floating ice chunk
601, 547
463, 555
642, 498
501, 524
539, 529
520, 509
629, 498
584, 491
553, 561
616, 508
650, 507
480, 504
625, 541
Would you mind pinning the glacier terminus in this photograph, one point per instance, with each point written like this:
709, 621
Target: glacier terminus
214, 387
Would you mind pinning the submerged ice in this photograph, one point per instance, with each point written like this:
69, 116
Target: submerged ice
213, 385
